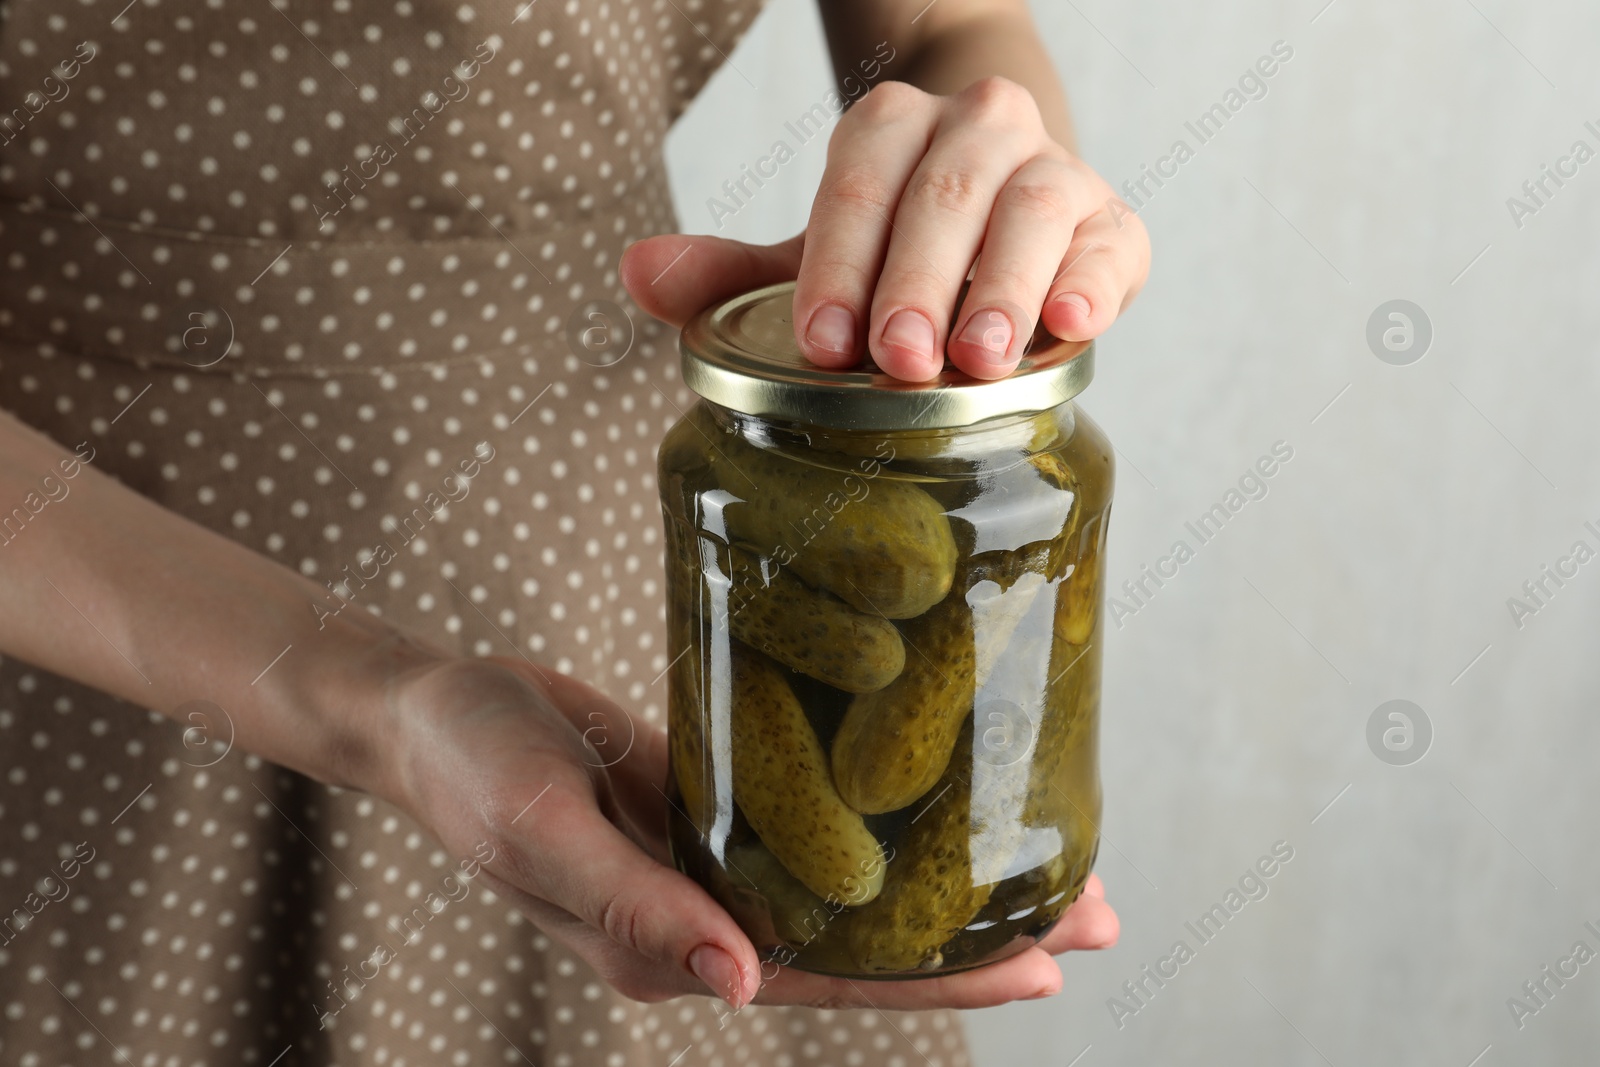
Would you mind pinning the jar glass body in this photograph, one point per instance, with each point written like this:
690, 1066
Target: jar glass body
884, 682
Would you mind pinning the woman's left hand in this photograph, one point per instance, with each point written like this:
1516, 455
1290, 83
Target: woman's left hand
917, 189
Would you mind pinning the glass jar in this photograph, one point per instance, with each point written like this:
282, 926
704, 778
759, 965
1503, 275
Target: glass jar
884, 605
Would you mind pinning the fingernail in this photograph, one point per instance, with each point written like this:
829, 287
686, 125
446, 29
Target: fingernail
1073, 300
912, 331
833, 329
1047, 992
990, 330
717, 970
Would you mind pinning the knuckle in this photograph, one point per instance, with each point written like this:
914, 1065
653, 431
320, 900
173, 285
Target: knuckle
1000, 100
1092, 271
500, 846
1060, 154
1004, 281
1117, 254
854, 192
911, 285
508, 857
1082, 172
499, 811
1135, 241
1140, 233
1116, 211
499, 806
831, 277
950, 190
622, 918
1048, 200
889, 99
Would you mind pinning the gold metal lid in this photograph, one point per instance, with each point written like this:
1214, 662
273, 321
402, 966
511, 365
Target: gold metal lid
742, 355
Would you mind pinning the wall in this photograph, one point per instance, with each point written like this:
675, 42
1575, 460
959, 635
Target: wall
1380, 562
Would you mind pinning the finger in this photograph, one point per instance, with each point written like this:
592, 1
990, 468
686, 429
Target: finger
639, 785
626, 971
569, 855
1094, 887
673, 276
871, 154
1089, 924
985, 134
1028, 975
1103, 270
1035, 214
633, 752
636, 789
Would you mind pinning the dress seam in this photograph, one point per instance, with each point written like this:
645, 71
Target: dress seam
285, 370
33, 206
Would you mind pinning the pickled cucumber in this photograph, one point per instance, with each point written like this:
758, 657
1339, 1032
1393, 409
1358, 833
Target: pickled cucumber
895, 743
1075, 553
1030, 903
798, 915
1055, 631
975, 834
928, 895
686, 741
1053, 466
882, 546
813, 632
1071, 701
770, 609
1081, 596
782, 784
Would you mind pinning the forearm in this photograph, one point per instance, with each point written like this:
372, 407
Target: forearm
950, 45
107, 588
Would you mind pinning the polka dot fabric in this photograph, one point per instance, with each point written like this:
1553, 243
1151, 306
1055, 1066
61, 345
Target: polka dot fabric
283, 265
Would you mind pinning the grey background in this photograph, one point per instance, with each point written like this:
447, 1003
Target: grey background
1378, 567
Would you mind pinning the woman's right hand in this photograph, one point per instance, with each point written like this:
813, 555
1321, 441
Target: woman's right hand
567, 790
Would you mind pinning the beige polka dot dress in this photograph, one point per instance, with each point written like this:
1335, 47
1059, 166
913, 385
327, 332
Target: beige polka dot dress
282, 264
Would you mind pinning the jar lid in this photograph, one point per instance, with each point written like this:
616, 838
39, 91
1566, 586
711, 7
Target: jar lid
742, 355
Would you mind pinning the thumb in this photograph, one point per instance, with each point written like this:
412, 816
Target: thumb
674, 275
572, 857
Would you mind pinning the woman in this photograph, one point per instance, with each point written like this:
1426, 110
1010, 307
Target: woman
301, 453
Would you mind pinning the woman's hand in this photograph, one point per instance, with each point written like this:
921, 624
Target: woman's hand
567, 791
916, 189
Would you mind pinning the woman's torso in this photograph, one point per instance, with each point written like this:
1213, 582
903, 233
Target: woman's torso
284, 291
